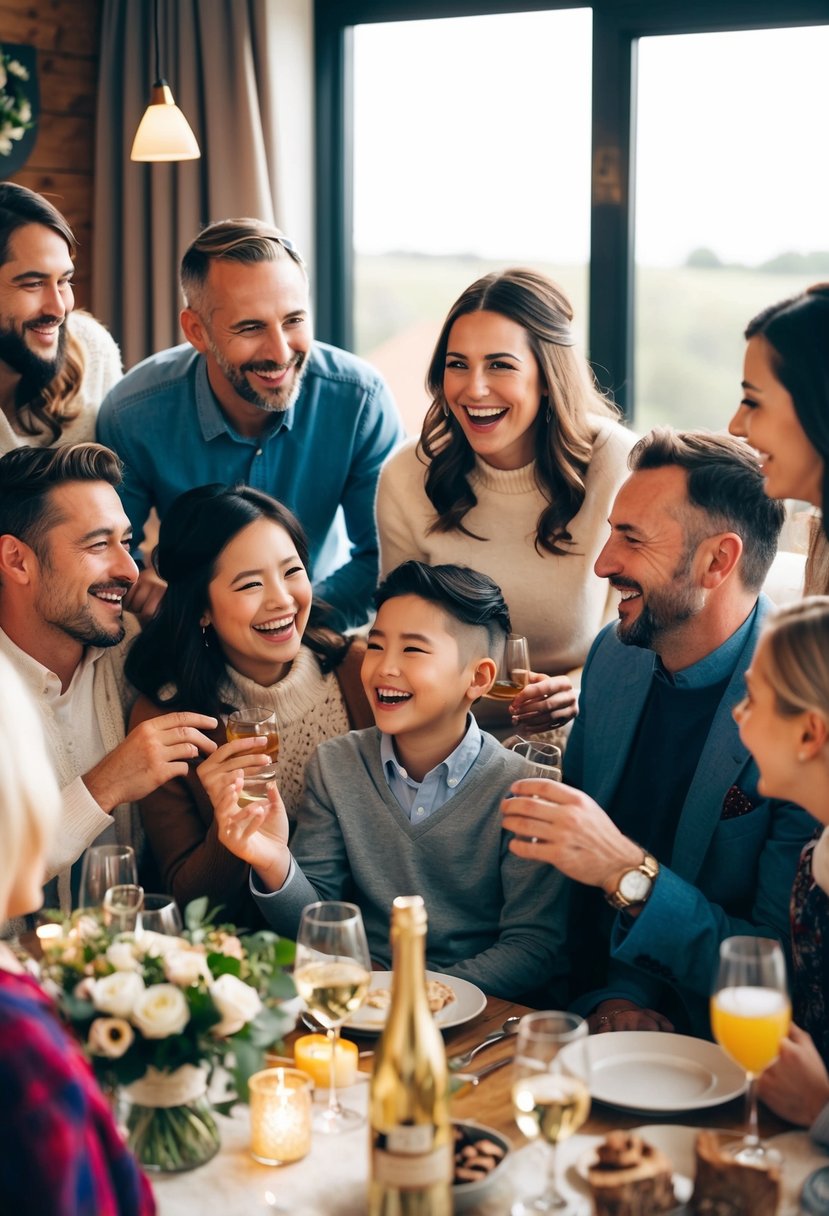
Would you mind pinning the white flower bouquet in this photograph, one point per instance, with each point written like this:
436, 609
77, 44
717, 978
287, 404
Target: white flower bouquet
156, 1014
15, 107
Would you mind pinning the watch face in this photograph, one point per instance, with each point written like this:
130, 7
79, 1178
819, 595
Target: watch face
635, 886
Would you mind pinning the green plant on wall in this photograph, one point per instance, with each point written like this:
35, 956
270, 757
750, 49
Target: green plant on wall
18, 106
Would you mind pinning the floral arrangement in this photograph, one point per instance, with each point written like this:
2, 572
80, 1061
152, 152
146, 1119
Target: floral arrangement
15, 107
157, 1014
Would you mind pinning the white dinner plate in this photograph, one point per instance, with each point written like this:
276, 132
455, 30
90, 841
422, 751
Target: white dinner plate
647, 1071
468, 1003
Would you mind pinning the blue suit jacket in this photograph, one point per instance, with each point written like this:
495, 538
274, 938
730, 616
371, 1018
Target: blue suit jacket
727, 875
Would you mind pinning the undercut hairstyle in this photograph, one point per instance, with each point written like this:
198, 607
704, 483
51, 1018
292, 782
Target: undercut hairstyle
246, 240
797, 650
174, 649
51, 408
466, 597
564, 430
28, 476
726, 485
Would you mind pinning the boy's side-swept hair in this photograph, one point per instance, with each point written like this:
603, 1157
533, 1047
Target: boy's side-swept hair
28, 474
464, 594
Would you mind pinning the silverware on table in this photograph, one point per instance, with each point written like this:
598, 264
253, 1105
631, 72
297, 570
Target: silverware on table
474, 1078
465, 1058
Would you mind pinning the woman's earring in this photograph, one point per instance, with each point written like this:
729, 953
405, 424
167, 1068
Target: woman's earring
549, 414
204, 636
445, 410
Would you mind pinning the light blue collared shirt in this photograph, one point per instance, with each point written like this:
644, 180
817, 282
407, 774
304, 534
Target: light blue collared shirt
715, 667
419, 801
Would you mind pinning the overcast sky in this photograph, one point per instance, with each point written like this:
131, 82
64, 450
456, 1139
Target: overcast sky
473, 135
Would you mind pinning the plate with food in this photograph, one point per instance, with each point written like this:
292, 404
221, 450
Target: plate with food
480, 1155
452, 1001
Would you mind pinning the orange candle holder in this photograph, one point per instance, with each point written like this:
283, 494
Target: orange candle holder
280, 1116
312, 1054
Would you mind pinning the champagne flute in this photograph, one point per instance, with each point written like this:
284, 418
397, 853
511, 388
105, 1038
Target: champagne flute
105, 866
122, 905
252, 722
750, 1016
160, 914
550, 1092
513, 670
332, 973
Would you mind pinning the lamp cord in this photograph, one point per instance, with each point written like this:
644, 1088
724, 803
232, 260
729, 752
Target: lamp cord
157, 54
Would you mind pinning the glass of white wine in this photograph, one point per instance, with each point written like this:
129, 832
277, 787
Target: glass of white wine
550, 1092
750, 1017
122, 905
253, 722
513, 670
332, 973
105, 866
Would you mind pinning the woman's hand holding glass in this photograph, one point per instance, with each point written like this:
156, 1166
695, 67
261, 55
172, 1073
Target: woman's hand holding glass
239, 758
257, 832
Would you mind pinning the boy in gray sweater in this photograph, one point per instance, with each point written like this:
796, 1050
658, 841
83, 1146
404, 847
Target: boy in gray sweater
412, 805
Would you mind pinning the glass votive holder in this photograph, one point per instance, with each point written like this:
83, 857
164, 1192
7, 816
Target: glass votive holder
280, 1115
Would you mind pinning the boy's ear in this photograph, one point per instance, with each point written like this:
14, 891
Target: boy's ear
483, 677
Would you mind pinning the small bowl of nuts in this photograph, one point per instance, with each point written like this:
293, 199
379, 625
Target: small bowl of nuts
480, 1157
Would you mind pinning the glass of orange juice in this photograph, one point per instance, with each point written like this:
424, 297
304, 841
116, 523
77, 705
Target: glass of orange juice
252, 722
750, 1016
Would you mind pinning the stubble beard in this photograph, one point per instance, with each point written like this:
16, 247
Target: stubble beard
276, 402
666, 609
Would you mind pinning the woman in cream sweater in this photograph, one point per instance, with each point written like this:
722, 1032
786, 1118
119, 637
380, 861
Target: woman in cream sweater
514, 474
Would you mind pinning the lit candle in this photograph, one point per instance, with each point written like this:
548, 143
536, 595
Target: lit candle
280, 1116
49, 933
312, 1053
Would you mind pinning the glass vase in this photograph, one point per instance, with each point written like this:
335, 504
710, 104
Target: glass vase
165, 1135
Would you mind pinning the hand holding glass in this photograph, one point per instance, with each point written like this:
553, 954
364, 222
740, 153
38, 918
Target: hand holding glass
513, 670
750, 1016
253, 722
105, 866
550, 1091
332, 972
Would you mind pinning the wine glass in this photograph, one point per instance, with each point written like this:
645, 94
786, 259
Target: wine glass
105, 866
550, 1091
332, 973
545, 758
122, 905
750, 1016
513, 670
252, 722
160, 914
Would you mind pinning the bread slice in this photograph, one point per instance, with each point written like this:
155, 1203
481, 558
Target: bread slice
630, 1178
725, 1187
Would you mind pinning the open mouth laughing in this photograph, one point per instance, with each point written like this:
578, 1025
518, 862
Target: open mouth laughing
391, 698
110, 593
278, 629
484, 416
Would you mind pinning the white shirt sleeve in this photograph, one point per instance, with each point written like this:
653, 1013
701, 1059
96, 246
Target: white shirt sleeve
81, 821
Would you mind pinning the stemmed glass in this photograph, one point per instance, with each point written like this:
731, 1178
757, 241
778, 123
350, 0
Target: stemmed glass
513, 670
122, 905
252, 722
332, 973
750, 1016
550, 1092
160, 914
105, 866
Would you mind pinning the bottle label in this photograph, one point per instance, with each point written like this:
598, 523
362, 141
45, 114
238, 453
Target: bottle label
410, 1138
409, 1170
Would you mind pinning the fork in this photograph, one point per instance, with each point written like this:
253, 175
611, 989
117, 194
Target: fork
466, 1057
458, 1079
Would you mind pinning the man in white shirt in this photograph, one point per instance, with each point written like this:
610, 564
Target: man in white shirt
65, 568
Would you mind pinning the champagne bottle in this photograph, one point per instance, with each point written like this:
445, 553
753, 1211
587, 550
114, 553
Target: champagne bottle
411, 1133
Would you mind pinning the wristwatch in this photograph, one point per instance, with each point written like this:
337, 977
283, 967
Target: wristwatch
635, 885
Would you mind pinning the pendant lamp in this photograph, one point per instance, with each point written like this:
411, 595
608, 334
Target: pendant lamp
163, 133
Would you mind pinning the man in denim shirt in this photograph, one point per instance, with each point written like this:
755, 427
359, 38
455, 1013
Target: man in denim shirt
254, 399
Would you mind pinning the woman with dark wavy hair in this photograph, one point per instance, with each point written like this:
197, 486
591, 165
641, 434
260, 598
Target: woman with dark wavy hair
784, 411
514, 474
237, 627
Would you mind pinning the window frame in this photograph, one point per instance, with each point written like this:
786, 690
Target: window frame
617, 27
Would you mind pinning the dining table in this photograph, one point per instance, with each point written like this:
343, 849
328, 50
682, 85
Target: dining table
332, 1180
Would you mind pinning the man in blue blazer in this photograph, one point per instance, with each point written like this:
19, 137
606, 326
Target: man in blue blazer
687, 850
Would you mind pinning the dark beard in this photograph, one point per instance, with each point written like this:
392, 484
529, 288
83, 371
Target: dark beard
35, 373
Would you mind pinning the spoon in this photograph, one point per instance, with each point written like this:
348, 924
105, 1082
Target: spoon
459, 1079
509, 1027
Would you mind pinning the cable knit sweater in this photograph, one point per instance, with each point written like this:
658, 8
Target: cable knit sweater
178, 817
558, 603
102, 370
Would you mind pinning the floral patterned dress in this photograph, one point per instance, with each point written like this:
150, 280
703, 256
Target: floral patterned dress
810, 952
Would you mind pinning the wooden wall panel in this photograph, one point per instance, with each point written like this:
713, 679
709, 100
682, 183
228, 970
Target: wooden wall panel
66, 34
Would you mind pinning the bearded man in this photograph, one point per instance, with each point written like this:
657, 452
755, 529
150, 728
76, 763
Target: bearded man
254, 399
687, 850
56, 365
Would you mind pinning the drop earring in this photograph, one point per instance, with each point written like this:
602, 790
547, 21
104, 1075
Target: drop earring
204, 637
445, 408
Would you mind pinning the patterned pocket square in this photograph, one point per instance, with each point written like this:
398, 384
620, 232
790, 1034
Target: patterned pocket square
736, 803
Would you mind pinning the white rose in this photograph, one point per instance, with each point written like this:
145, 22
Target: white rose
85, 990
5, 145
17, 69
230, 946
186, 967
159, 944
236, 1001
160, 1011
118, 993
110, 1037
25, 112
122, 957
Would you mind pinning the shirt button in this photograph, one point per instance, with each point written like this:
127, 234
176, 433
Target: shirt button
452, 782
421, 810
258, 451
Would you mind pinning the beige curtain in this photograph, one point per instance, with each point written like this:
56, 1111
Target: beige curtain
221, 60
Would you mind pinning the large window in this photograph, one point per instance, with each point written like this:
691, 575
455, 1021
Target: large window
471, 152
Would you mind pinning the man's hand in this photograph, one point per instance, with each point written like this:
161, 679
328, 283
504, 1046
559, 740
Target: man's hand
145, 595
152, 754
796, 1087
555, 823
257, 832
624, 1015
547, 701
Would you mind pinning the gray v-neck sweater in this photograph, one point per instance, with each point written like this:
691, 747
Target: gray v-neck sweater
494, 919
